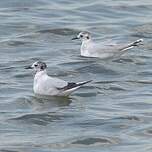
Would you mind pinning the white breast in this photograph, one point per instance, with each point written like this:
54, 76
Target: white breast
46, 85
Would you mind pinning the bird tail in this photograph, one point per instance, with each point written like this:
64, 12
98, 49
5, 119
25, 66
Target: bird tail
82, 83
133, 44
72, 87
136, 43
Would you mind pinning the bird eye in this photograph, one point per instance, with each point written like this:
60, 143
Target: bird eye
35, 65
81, 36
87, 37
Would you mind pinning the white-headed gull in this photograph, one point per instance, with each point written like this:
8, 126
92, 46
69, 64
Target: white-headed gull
51, 86
89, 48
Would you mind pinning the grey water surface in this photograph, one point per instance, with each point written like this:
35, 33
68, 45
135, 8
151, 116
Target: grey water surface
111, 114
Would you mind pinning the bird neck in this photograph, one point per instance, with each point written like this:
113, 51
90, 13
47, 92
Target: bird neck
40, 73
84, 47
85, 41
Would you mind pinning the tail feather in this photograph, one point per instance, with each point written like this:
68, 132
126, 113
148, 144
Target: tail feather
82, 83
133, 44
71, 87
136, 43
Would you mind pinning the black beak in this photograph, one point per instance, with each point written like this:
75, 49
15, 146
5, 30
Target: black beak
28, 67
75, 38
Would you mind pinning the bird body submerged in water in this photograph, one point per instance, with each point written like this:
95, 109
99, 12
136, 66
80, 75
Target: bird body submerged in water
46, 85
89, 48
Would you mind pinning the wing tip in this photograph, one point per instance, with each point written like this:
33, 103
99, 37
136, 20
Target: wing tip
137, 42
140, 40
84, 82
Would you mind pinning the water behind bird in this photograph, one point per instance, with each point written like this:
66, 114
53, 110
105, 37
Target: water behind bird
111, 114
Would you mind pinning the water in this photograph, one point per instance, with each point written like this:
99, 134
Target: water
111, 114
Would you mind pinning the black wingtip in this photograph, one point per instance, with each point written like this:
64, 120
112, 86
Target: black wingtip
74, 85
137, 42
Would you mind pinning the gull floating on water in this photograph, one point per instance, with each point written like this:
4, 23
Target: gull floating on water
46, 85
89, 48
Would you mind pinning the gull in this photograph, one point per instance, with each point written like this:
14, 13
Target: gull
51, 86
103, 50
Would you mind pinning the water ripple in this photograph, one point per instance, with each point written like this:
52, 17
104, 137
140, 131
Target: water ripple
113, 113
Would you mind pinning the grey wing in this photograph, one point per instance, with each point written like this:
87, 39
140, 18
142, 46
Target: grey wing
105, 47
114, 47
56, 83
110, 49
